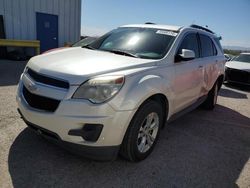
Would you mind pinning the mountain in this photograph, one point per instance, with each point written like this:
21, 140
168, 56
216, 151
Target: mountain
240, 48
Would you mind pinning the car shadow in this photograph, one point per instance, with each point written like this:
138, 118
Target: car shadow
224, 92
199, 149
10, 72
240, 87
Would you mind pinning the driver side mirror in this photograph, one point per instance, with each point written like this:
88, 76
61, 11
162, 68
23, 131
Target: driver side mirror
185, 55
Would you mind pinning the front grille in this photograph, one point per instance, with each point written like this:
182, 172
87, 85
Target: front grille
47, 80
39, 102
238, 75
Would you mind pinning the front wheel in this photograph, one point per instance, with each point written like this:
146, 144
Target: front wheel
212, 96
143, 132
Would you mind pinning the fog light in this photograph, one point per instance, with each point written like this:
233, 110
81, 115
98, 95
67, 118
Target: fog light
89, 132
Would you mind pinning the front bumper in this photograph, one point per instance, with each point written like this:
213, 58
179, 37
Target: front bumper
103, 153
74, 114
237, 76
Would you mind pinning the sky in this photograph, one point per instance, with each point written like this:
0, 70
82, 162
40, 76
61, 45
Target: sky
228, 18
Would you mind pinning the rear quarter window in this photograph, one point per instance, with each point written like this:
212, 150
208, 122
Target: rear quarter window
217, 41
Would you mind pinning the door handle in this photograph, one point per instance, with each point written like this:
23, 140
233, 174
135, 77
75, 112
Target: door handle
200, 66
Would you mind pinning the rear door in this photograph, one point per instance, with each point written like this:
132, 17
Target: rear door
209, 63
188, 78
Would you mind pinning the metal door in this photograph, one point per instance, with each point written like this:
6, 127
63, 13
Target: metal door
47, 30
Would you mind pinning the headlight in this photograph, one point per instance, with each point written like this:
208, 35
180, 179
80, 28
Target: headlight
100, 89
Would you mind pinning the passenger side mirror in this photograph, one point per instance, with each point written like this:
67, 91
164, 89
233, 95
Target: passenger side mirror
185, 55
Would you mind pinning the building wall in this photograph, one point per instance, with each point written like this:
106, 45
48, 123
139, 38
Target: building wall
20, 18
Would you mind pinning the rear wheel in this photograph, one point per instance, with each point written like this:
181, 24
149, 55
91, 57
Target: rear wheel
143, 132
211, 100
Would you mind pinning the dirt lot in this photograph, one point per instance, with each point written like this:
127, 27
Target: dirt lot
201, 149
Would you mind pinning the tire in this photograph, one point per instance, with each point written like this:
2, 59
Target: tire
211, 100
136, 135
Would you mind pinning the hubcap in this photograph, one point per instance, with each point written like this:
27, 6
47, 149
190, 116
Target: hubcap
148, 132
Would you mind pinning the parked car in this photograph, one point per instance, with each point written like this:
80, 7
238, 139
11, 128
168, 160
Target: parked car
228, 57
83, 42
238, 70
114, 95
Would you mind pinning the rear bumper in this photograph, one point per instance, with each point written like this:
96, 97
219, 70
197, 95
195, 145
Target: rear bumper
101, 153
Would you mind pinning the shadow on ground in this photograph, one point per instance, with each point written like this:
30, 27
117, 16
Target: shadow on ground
193, 151
224, 92
240, 87
10, 72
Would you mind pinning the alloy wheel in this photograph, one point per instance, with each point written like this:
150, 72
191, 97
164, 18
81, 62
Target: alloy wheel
148, 132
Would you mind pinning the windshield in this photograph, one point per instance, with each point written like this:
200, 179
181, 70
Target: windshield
146, 43
243, 58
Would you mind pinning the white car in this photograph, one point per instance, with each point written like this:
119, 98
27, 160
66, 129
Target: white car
229, 57
115, 95
238, 70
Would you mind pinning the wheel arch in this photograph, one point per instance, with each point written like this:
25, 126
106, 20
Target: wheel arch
163, 101
220, 80
157, 97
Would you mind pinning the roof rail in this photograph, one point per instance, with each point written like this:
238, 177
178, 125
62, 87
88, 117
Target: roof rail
202, 28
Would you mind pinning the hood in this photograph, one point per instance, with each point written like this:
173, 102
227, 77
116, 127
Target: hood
238, 65
78, 64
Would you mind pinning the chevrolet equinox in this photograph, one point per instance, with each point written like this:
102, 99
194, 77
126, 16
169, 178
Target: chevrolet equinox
114, 95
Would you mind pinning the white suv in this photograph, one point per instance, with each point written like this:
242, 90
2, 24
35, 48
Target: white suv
114, 95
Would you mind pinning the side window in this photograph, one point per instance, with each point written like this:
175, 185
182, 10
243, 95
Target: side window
190, 42
207, 46
214, 49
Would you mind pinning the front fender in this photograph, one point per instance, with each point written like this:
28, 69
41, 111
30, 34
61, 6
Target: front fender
139, 88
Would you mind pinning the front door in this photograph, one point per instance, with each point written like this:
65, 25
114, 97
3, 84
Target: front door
188, 75
47, 30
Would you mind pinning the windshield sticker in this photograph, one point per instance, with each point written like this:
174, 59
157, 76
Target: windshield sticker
164, 32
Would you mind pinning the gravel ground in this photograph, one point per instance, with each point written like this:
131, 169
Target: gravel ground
200, 149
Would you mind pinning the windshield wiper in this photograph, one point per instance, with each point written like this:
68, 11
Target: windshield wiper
88, 47
120, 52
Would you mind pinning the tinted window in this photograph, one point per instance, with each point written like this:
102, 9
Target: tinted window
146, 43
243, 58
190, 42
207, 48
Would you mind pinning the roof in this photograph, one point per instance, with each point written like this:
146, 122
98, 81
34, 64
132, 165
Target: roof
173, 28
156, 26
